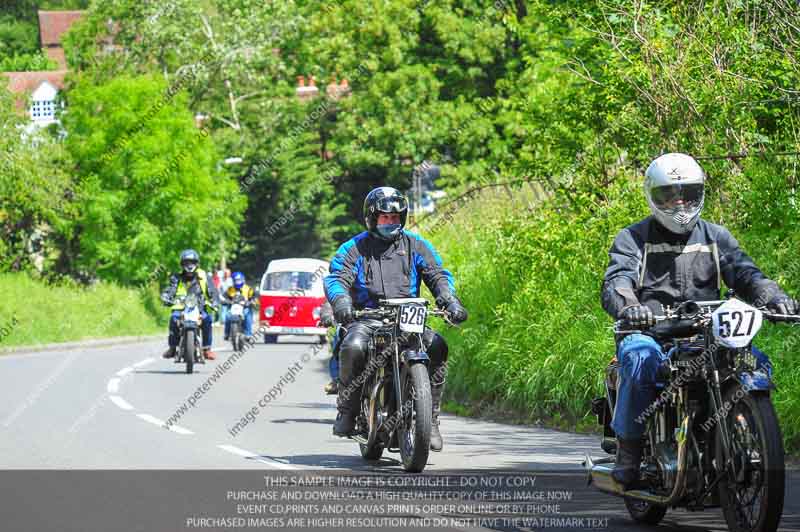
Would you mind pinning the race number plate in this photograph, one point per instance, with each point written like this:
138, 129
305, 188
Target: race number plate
412, 318
192, 314
736, 323
237, 309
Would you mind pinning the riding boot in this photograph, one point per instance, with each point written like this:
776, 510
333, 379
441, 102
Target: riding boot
629, 459
347, 403
209, 354
332, 388
170, 352
436, 400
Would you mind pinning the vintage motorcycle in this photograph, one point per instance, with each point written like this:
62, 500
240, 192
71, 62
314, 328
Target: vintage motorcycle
396, 410
189, 327
712, 437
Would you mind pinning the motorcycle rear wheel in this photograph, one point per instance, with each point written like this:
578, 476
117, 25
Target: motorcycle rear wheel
373, 449
414, 434
189, 350
756, 478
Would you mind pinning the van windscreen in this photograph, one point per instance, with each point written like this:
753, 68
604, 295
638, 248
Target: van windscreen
287, 281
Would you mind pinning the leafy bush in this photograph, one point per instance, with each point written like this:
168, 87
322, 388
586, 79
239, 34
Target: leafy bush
27, 62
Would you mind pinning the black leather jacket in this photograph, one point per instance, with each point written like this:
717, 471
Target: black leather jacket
652, 266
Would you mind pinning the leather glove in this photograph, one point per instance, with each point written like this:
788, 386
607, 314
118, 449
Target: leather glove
638, 316
782, 304
343, 310
458, 314
168, 302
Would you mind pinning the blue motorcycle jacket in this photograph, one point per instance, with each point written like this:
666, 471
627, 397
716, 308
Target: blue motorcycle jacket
368, 269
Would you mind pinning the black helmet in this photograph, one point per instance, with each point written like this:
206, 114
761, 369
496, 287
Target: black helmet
385, 200
189, 260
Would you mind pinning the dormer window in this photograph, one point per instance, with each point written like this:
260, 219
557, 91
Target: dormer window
43, 103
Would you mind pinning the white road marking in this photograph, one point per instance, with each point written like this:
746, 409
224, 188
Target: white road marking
247, 454
151, 419
155, 421
144, 362
113, 385
120, 402
124, 371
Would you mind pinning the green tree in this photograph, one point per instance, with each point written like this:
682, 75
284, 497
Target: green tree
18, 36
36, 209
150, 182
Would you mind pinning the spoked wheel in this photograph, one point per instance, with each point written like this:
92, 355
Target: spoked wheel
751, 494
373, 449
414, 434
645, 512
189, 350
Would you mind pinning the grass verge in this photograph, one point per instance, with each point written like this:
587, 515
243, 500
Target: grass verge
36, 313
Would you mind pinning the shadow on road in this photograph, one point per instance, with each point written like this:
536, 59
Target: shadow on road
326, 406
303, 420
176, 371
353, 463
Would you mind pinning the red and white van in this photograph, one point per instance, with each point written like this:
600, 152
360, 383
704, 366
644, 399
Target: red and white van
291, 297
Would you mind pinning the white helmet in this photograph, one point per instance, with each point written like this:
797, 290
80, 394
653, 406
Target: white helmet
675, 188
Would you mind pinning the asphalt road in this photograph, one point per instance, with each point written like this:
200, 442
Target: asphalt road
67, 418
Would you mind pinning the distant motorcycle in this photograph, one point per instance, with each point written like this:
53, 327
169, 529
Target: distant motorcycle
236, 316
712, 437
189, 325
396, 411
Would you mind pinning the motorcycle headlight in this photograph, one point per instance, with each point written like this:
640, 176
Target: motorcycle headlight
317, 312
269, 311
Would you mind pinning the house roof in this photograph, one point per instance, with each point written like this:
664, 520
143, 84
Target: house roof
27, 82
52, 24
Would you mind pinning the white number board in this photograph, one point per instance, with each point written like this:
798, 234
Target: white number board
412, 318
736, 323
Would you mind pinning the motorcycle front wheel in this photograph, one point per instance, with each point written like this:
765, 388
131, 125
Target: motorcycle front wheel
236, 339
189, 349
414, 434
752, 492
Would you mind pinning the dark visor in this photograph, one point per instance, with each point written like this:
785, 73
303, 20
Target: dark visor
391, 204
692, 193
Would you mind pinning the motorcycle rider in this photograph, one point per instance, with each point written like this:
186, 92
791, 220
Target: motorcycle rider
386, 261
669, 257
238, 287
194, 279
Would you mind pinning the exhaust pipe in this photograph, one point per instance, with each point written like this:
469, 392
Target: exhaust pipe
599, 474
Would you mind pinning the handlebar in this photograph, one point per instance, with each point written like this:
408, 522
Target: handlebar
389, 312
182, 299
690, 318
